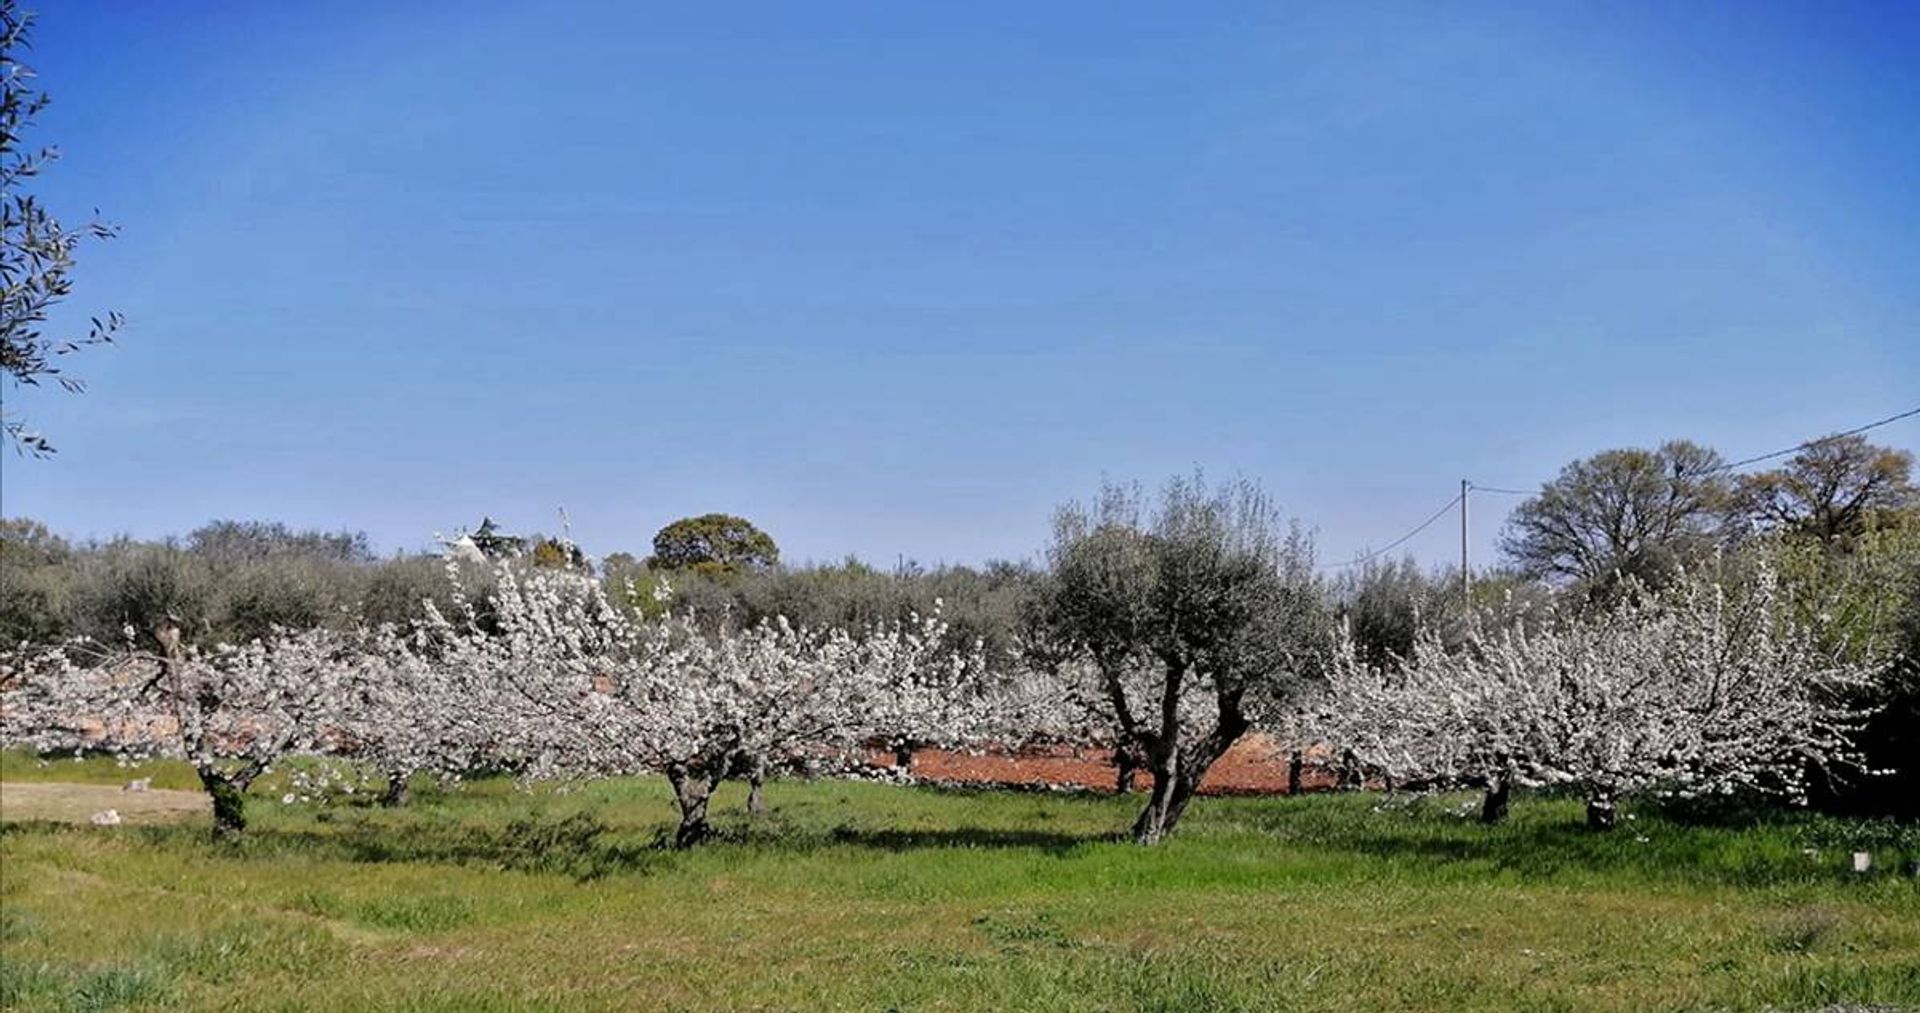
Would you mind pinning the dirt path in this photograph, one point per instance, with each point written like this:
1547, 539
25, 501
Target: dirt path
77, 803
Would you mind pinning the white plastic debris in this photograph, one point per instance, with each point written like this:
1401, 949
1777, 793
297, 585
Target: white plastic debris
106, 818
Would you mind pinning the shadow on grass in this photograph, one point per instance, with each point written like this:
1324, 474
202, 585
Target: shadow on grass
580, 846
1051, 842
1545, 841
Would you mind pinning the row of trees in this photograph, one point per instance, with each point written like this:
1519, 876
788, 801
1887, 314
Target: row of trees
1706, 688
226, 582
551, 679
1164, 627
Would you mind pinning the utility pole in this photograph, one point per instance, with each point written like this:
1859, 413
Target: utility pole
1466, 580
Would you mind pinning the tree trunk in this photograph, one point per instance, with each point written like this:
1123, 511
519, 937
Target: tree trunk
903, 759
756, 804
1127, 762
1164, 806
1177, 772
1350, 776
229, 803
1493, 809
1296, 764
691, 792
398, 792
1600, 812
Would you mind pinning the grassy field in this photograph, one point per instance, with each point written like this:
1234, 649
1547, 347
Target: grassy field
861, 896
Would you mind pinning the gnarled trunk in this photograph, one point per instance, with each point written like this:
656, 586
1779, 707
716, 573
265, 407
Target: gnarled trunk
1177, 771
1296, 764
691, 792
903, 759
1164, 806
229, 794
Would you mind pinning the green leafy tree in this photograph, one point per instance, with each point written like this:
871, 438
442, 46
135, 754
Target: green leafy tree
557, 554
1831, 491
1386, 603
714, 544
1866, 604
38, 259
1194, 613
35, 570
235, 542
1623, 513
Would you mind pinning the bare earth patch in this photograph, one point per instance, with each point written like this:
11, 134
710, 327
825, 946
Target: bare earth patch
60, 802
1254, 766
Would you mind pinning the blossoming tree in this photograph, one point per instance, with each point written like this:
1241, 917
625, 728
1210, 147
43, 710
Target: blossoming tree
232, 711
567, 684
1698, 690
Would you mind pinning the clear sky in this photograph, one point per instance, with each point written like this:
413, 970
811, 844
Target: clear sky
896, 278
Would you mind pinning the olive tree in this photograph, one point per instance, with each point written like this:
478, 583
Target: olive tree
1190, 613
36, 249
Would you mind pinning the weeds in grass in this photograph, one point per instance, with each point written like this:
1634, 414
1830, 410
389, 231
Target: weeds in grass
405, 913
1804, 928
119, 986
415, 914
18, 924
22, 983
235, 948
1014, 929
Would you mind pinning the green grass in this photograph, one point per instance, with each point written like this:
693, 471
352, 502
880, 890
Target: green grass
859, 896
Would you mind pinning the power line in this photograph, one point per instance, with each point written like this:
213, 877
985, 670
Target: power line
1396, 543
1815, 442
1743, 462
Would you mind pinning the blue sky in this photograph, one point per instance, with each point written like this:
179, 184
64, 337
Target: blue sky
895, 279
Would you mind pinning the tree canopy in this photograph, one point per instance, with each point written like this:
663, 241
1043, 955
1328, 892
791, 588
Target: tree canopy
1622, 513
1189, 615
713, 543
1831, 490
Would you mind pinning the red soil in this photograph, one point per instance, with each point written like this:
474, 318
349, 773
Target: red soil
1254, 766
